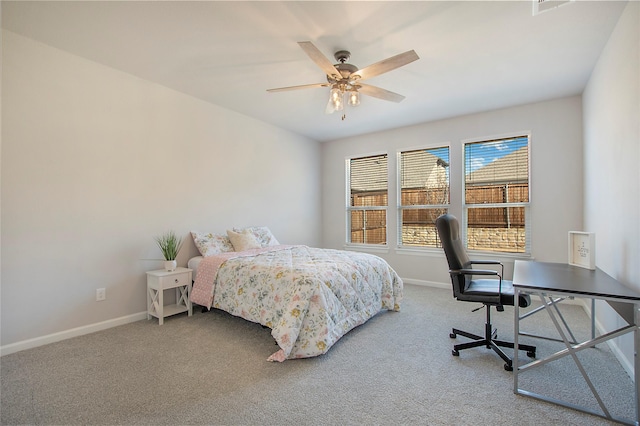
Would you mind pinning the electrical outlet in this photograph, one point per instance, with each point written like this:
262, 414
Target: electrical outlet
101, 294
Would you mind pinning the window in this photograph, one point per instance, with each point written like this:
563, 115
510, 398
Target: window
368, 200
496, 195
424, 195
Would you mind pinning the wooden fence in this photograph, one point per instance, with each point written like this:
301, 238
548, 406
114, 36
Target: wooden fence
497, 217
369, 226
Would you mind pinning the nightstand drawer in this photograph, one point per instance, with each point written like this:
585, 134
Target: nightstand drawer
163, 279
175, 280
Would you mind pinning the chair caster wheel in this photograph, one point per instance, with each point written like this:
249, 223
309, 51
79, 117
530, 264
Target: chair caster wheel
455, 353
531, 354
508, 367
453, 335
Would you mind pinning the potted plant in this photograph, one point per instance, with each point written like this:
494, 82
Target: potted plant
170, 245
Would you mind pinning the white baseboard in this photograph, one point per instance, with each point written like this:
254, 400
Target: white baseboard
425, 283
67, 334
92, 328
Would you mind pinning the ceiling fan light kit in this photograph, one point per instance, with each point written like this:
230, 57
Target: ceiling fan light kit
337, 95
345, 79
354, 97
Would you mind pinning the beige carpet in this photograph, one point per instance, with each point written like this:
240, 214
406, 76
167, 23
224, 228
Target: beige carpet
211, 369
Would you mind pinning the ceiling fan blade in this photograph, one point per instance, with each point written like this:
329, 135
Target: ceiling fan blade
304, 86
387, 65
322, 61
379, 93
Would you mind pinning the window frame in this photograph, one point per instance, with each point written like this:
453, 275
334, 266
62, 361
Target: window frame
400, 208
349, 208
526, 205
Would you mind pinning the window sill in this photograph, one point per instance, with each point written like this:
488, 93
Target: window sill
367, 248
415, 251
477, 254
473, 254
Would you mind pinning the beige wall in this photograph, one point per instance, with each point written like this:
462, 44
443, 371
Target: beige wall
556, 178
96, 162
612, 163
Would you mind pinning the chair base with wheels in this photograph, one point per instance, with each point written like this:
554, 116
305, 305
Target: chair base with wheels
489, 341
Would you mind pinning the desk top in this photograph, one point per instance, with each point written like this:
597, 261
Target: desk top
565, 278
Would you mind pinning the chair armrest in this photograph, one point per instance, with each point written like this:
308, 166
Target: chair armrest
474, 272
489, 262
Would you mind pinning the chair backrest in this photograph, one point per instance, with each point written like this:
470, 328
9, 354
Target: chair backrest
449, 231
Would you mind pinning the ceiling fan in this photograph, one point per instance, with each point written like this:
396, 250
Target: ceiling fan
345, 79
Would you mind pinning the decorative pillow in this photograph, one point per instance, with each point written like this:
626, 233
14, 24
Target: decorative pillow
210, 244
262, 234
244, 240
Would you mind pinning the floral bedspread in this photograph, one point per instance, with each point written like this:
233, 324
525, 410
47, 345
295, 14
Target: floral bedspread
309, 297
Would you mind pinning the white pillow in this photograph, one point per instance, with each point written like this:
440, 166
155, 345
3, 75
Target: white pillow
262, 234
244, 240
210, 244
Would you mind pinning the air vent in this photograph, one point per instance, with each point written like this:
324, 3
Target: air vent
540, 6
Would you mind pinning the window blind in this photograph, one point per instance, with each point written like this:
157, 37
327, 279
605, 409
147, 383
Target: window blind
425, 171
368, 174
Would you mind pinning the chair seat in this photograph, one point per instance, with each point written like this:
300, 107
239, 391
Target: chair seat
483, 289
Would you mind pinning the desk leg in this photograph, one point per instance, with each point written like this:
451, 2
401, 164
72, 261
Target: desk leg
572, 352
593, 318
516, 334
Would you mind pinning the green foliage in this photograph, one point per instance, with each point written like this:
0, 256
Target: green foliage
169, 244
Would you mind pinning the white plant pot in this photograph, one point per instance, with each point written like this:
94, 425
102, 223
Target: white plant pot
170, 265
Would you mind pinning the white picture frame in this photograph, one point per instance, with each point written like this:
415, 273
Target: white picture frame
582, 249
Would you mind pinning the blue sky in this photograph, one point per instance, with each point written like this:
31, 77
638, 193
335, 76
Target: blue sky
440, 153
480, 154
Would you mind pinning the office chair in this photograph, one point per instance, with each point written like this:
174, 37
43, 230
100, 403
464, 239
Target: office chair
488, 291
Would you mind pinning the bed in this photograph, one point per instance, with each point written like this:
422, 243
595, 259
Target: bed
308, 297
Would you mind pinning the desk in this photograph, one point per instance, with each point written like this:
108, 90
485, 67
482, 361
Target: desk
548, 279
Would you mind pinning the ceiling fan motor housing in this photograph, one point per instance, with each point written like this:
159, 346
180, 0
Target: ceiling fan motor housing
345, 71
342, 56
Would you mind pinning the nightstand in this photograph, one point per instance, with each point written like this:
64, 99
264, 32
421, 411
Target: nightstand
161, 280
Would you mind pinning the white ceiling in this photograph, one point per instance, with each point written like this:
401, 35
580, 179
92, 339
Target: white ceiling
474, 55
